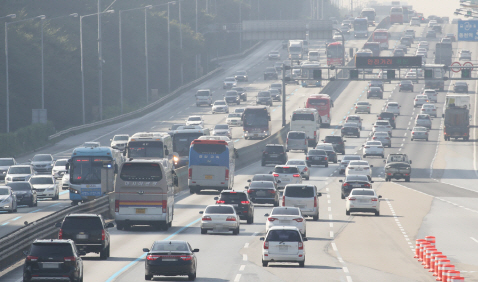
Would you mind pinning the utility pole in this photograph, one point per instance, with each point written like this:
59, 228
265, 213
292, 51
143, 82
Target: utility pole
100, 61
284, 67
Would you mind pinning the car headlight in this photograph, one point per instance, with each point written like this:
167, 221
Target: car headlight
9, 178
175, 159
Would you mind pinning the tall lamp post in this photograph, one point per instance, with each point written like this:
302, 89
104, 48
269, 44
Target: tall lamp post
6, 61
42, 64
81, 55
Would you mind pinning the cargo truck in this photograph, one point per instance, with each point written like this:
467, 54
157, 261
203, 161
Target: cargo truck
457, 116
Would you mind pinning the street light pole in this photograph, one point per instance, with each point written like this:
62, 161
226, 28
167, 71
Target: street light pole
181, 41
169, 55
100, 61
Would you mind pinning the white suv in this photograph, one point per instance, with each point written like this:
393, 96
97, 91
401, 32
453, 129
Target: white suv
283, 244
362, 200
287, 175
304, 197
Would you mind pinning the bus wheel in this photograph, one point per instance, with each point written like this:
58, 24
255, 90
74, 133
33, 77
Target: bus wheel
192, 191
74, 203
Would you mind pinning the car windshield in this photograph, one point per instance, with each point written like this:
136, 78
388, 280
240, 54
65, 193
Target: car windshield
141, 172
264, 94
296, 135
41, 180
234, 115
42, 158
285, 211
226, 196
231, 93
299, 191
20, 186
51, 250
263, 177
170, 246
325, 147
353, 118
350, 124
302, 116
219, 210
8, 162
356, 178
241, 73
203, 93
363, 192
197, 118
381, 134
61, 162
296, 163
274, 149
375, 89
19, 170
4, 191
82, 223
276, 85
274, 53
121, 138
317, 153
373, 143
262, 184
284, 236
422, 116
286, 169
333, 139
221, 126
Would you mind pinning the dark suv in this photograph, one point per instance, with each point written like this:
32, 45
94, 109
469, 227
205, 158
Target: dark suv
388, 116
53, 260
376, 83
405, 85
274, 154
270, 73
232, 96
337, 142
240, 201
88, 231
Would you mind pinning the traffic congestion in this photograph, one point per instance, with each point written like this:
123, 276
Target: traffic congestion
217, 163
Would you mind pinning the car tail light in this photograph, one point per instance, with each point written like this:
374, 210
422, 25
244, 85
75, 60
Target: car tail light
206, 218
266, 245
389, 173
153, 257
413, 132
379, 117
231, 218
283, 201
245, 202
287, 140
296, 175
276, 175
305, 142
103, 235
315, 133
345, 184
69, 259
366, 185
117, 206
272, 191
298, 219
190, 173
433, 109
351, 199
416, 99
301, 246
164, 205
351, 167
374, 199
307, 158
374, 138
250, 191
186, 257
60, 234
388, 138
315, 202
426, 133
325, 158
271, 219
32, 258
220, 202
227, 174
306, 169
356, 107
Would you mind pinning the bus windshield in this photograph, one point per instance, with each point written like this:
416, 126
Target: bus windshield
256, 119
87, 170
335, 51
145, 149
141, 172
182, 142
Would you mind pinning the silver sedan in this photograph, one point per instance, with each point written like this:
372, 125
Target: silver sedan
382, 137
302, 166
423, 120
419, 132
220, 218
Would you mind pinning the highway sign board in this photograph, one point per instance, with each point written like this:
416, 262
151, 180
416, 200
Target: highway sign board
455, 67
468, 64
468, 30
388, 62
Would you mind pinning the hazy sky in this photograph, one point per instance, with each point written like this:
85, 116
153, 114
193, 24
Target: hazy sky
432, 7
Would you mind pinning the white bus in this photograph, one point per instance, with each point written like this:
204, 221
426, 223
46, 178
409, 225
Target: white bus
150, 145
144, 195
182, 138
307, 74
308, 121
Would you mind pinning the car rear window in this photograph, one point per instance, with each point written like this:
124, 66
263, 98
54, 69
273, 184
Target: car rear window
282, 169
141, 172
348, 158
296, 135
82, 223
296, 163
170, 246
219, 210
363, 193
284, 236
285, 211
233, 196
333, 139
299, 191
387, 115
317, 153
19, 186
274, 149
51, 250
262, 184
356, 178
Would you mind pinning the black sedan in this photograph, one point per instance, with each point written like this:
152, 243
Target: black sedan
170, 258
350, 129
241, 202
263, 192
241, 76
431, 34
460, 87
24, 192
317, 157
354, 181
405, 85
375, 92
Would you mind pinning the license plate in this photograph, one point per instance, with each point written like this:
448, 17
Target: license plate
356, 185
260, 193
363, 200
141, 210
317, 158
208, 176
284, 221
299, 206
234, 205
82, 236
169, 259
51, 265
274, 156
285, 179
283, 248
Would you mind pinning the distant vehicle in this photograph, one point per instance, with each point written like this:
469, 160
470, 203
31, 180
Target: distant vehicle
393, 107
229, 82
359, 168
457, 117
337, 36
286, 216
387, 116
415, 21
234, 119
432, 94
283, 236
375, 92
182, 139
329, 150
373, 148
405, 85
241, 76
264, 98
203, 96
274, 154
45, 186
383, 137
295, 49
241, 202
5, 164
460, 87
354, 119
337, 141
419, 132
431, 34
304, 196
8, 199
287, 175
296, 140
438, 74
222, 130
256, 122
275, 94
362, 107
65, 182
91, 144
307, 76
465, 55
335, 54
361, 27
345, 162
420, 100
232, 97
350, 129
219, 106
274, 55
18, 173
354, 180
242, 92
370, 14
396, 15
174, 127
381, 36
317, 157
451, 36
263, 192
374, 47
301, 166
24, 193
42, 163
423, 120
270, 73
220, 217
314, 56
363, 200
308, 121
323, 103
397, 166
119, 141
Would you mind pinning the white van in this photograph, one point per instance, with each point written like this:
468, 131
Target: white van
144, 194
203, 97
314, 56
308, 121
302, 196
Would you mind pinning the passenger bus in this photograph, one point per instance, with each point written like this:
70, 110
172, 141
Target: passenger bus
374, 47
335, 54
307, 74
308, 121
182, 138
256, 122
150, 145
144, 194
364, 53
370, 14
406, 17
323, 103
381, 36
85, 166
211, 165
360, 27
396, 15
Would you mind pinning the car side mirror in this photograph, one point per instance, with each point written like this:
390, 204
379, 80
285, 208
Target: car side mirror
216, 198
345, 140
384, 161
58, 224
379, 196
371, 181
67, 166
371, 165
262, 238
340, 180
247, 187
195, 250
248, 180
270, 172
305, 239
266, 214
410, 161
109, 225
278, 181
146, 250
201, 212
319, 194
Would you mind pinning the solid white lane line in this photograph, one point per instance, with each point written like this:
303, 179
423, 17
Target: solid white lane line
242, 267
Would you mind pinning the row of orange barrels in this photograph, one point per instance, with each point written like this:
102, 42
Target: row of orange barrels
436, 262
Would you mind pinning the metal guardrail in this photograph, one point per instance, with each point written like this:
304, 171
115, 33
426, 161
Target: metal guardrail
237, 56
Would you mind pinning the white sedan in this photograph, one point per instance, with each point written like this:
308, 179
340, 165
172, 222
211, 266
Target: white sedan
45, 186
286, 216
234, 119
195, 120
220, 218
382, 126
220, 106
373, 148
420, 100
393, 107
222, 130
283, 244
359, 168
362, 200
429, 109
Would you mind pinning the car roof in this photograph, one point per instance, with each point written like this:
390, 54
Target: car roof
270, 145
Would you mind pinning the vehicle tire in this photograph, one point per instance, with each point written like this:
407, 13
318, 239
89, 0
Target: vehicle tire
426, 139
265, 263
119, 226
276, 203
308, 164
306, 151
104, 254
342, 196
148, 277
302, 263
164, 226
250, 220
307, 178
36, 203
192, 276
57, 196
127, 227
235, 231
326, 165
390, 145
31, 204
203, 231
192, 191
316, 217
347, 212
407, 179
197, 105
377, 213
411, 139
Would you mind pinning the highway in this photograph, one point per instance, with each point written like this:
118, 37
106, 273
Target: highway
440, 200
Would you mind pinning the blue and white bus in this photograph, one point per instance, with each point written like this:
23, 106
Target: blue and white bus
85, 168
211, 165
